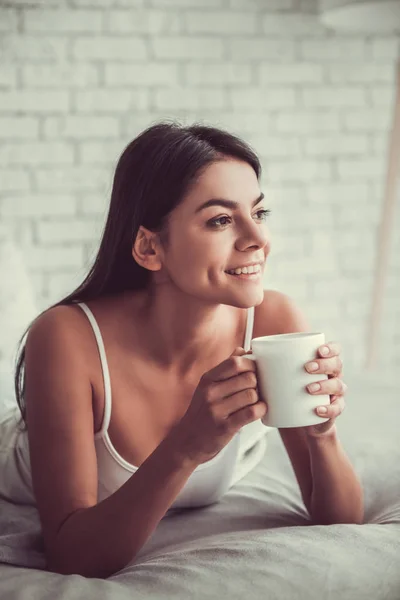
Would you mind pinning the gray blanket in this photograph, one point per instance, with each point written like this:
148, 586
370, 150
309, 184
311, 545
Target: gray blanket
257, 543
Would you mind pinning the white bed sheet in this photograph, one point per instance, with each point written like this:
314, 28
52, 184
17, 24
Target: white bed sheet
257, 543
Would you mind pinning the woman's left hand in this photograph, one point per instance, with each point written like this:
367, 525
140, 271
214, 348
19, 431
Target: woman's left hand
330, 364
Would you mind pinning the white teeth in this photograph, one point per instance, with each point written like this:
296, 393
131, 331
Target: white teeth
251, 269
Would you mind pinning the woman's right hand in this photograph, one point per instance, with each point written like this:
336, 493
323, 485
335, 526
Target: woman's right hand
225, 400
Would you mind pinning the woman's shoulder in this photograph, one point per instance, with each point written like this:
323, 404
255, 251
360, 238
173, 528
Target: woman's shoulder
267, 313
278, 313
65, 319
61, 327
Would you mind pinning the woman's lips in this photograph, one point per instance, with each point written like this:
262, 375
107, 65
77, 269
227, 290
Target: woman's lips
247, 276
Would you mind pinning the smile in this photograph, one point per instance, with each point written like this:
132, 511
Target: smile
246, 276
254, 269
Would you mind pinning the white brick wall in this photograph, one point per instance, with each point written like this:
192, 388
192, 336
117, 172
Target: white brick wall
80, 78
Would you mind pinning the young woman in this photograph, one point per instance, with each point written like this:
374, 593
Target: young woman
133, 389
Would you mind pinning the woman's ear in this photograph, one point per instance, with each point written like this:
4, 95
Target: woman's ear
145, 250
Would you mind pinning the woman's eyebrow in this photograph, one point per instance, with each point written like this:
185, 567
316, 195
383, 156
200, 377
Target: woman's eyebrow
227, 203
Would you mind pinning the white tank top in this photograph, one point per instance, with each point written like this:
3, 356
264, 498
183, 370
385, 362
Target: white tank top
207, 483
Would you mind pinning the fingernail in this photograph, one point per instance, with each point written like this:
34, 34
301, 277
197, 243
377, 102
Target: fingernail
322, 410
313, 387
312, 366
324, 350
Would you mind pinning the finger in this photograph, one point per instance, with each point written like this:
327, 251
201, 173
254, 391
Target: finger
329, 366
332, 387
333, 410
230, 367
334, 349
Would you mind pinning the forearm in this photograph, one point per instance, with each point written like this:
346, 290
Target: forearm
100, 540
337, 495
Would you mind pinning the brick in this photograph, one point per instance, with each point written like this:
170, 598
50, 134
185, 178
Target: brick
30, 3
68, 230
36, 153
23, 231
357, 309
284, 196
94, 204
217, 74
334, 49
189, 4
111, 101
100, 152
263, 5
349, 216
152, 73
59, 285
38, 283
60, 76
368, 168
325, 290
367, 120
307, 6
245, 122
361, 73
338, 193
383, 49
8, 20
290, 74
81, 127
37, 205
256, 98
221, 22
12, 179
62, 21
282, 251
299, 170
72, 179
98, 4
186, 48
384, 96
34, 102
307, 122
360, 262
295, 265
336, 145
133, 123
151, 22
107, 48
335, 96
54, 257
183, 98
19, 128
277, 50
275, 146
289, 25
8, 76
28, 48
380, 144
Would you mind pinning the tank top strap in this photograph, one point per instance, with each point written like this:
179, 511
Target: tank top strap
249, 329
104, 366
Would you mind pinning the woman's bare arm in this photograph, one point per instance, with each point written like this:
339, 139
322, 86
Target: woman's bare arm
82, 536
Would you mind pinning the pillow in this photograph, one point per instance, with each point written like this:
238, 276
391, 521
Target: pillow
17, 310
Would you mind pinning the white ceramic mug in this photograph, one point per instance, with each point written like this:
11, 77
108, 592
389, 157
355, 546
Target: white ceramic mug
282, 378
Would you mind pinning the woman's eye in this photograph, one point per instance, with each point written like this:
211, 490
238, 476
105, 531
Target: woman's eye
216, 223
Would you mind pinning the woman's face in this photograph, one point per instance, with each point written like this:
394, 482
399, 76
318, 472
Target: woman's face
205, 242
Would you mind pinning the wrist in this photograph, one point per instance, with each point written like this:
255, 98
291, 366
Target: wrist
326, 438
177, 451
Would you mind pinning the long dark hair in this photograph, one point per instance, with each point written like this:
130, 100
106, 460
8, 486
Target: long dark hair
152, 176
